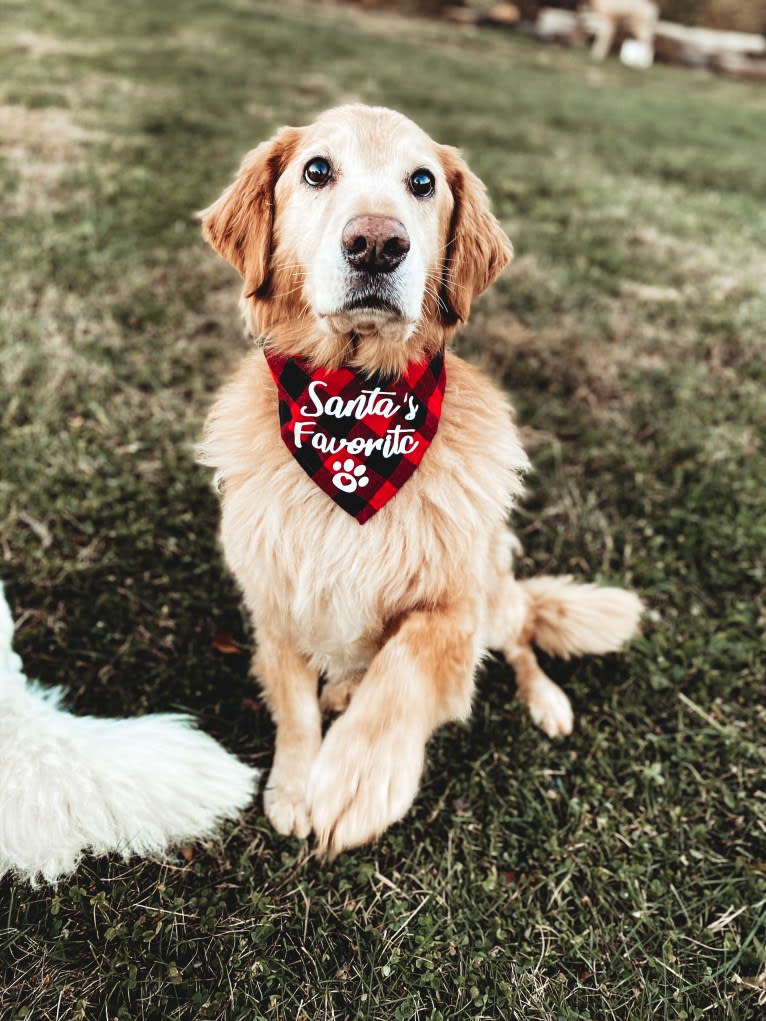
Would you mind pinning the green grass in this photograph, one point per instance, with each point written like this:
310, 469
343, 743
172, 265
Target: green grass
618, 874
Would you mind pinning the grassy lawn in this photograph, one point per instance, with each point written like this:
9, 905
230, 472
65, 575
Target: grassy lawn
620, 873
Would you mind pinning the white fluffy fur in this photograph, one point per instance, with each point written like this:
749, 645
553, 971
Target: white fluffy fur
72, 784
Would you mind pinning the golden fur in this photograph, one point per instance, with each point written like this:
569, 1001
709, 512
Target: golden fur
395, 614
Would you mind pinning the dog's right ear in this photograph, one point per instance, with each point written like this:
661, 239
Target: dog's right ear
239, 226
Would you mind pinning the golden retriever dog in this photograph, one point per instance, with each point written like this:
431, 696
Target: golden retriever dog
362, 243
637, 18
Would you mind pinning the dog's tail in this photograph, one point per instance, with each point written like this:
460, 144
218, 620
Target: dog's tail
563, 619
567, 619
71, 784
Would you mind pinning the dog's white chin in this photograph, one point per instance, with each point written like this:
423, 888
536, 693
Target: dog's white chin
368, 322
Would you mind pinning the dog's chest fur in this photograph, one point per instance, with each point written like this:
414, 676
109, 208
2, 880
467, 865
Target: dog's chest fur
329, 585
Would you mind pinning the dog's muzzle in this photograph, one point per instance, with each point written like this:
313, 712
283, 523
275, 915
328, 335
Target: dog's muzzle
374, 247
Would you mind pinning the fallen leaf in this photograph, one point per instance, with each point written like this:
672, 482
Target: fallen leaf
226, 644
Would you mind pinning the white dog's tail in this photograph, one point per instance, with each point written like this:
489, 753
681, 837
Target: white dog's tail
72, 784
567, 619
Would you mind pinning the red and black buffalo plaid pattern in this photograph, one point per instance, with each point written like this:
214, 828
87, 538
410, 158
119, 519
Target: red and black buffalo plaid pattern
358, 438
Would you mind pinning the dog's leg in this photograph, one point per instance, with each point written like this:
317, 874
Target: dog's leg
511, 629
604, 39
367, 772
290, 687
548, 704
643, 28
564, 619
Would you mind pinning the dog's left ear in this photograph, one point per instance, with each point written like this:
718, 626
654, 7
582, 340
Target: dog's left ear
239, 226
477, 246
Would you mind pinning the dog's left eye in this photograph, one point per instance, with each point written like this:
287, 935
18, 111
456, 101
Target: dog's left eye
317, 172
422, 183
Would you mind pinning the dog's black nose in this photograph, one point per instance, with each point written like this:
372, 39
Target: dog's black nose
377, 244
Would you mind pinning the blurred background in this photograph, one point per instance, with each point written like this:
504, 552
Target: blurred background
735, 15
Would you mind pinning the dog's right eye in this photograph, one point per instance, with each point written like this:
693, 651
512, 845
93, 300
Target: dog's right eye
317, 172
422, 183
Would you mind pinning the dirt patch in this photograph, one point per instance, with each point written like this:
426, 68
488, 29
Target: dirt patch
41, 147
722, 265
650, 293
54, 334
39, 45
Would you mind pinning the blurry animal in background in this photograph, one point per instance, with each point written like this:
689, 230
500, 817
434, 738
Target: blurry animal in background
366, 475
636, 19
71, 784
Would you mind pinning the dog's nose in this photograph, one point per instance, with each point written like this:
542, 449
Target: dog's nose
375, 243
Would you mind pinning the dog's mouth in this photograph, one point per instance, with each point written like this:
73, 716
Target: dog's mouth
373, 303
374, 293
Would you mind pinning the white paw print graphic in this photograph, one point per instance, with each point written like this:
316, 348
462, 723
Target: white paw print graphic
348, 477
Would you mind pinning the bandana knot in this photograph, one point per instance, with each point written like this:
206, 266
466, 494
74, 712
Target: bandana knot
359, 438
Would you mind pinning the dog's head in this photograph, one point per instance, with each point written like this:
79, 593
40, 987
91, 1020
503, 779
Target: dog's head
357, 232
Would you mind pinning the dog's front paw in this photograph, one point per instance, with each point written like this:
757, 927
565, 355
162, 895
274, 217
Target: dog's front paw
550, 708
365, 778
286, 808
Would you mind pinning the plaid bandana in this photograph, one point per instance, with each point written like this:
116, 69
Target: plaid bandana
359, 439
